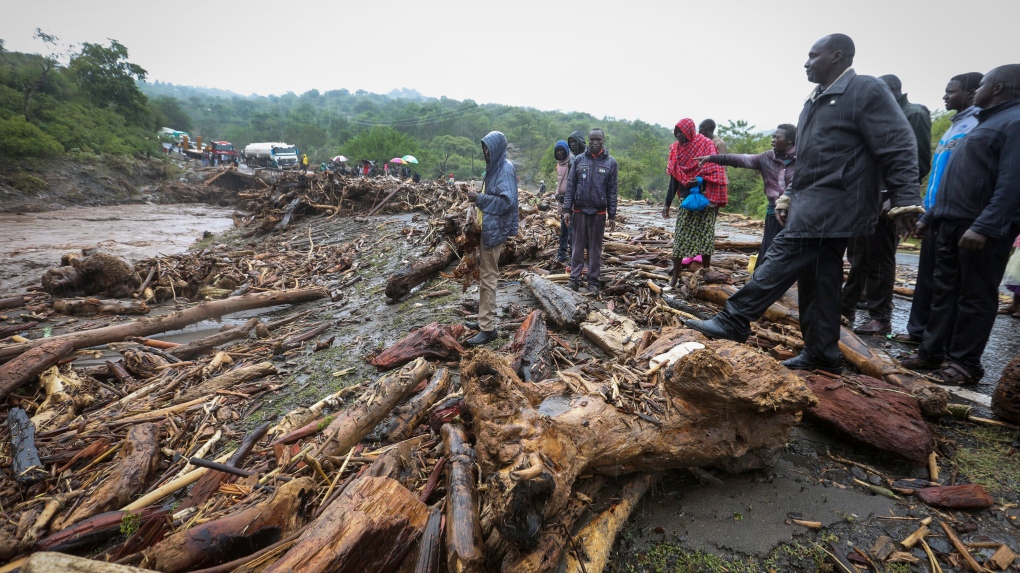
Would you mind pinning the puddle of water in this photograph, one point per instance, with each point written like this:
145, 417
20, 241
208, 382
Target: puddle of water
554, 406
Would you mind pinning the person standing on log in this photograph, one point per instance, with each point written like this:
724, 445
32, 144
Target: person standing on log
977, 216
851, 136
498, 214
959, 97
777, 167
589, 207
873, 257
564, 159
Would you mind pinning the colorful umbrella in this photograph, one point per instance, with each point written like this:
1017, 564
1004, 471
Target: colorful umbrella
397, 160
410, 159
339, 159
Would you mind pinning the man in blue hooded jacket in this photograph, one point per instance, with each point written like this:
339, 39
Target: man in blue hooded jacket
497, 204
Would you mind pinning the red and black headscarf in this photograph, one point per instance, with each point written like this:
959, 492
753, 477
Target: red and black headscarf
683, 167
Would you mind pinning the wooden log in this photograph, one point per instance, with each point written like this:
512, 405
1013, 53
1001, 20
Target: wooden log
616, 335
236, 535
430, 546
737, 245
725, 406
564, 307
529, 351
36, 359
963, 496
598, 536
136, 463
205, 344
209, 483
13, 302
92, 531
232, 378
93, 306
463, 530
401, 282
1006, 398
356, 421
25, 463
370, 528
410, 415
66, 394
49, 562
6, 331
433, 342
971, 563
872, 412
172, 321
719, 294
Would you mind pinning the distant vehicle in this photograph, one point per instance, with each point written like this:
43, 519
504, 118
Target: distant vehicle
265, 154
223, 150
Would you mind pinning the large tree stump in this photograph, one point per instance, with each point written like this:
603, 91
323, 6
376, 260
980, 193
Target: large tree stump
725, 406
433, 342
1006, 399
32, 363
235, 535
871, 412
401, 282
564, 307
370, 528
529, 350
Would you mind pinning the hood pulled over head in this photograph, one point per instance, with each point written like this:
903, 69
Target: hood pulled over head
562, 144
495, 142
687, 128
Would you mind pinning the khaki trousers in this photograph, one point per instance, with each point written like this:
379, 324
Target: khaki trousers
488, 270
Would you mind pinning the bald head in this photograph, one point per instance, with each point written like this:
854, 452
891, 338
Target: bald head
844, 44
894, 84
998, 86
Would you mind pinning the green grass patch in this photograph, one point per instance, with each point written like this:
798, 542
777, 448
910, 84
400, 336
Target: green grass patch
982, 457
666, 557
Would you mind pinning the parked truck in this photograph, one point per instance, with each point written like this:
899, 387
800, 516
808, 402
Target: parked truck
216, 151
271, 154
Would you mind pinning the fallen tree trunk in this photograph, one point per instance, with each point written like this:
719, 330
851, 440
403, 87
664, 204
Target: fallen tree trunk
235, 535
564, 307
196, 347
32, 363
463, 530
93, 306
407, 417
724, 406
173, 321
401, 282
92, 531
719, 294
430, 546
48, 562
370, 528
13, 302
433, 341
25, 463
871, 412
529, 350
138, 458
356, 421
232, 378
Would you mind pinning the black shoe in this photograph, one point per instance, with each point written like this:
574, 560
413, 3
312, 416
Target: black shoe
574, 286
595, 289
472, 325
861, 305
712, 328
805, 361
874, 327
483, 337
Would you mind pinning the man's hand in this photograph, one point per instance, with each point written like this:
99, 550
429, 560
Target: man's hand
665, 212
610, 225
781, 215
919, 229
566, 219
701, 160
906, 223
473, 197
972, 241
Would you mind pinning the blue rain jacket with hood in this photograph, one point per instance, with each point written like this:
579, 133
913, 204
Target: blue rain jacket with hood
498, 203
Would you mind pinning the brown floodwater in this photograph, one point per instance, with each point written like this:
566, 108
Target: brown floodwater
31, 243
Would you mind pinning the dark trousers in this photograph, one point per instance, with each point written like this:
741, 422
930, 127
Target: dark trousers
565, 234
588, 233
872, 271
920, 307
772, 228
816, 265
967, 282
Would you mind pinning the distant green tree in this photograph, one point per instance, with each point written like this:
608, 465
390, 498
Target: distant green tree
18, 138
745, 186
106, 78
33, 74
381, 143
447, 146
167, 112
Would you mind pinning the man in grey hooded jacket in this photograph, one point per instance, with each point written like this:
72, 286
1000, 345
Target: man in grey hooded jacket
497, 204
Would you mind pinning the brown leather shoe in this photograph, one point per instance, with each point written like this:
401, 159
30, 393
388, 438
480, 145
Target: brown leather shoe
874, 327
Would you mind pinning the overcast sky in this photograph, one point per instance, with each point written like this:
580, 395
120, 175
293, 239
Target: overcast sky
654, 61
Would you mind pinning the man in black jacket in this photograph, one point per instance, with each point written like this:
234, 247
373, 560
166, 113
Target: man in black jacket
977, 217
851, 136
589, 207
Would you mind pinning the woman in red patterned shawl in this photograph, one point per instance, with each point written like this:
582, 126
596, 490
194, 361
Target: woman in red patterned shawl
694, 237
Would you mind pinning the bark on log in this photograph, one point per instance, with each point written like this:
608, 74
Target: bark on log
196, 347
737, 245
138, 458
92, 531
93, 306
13, 302
25, 463
719, 294
407, 417
370, 528
964, 496
401, 282
235, 535
871, 412
433, 342
529, 351
726, 406
48, 562
356, 421
877, 364
463, 530
564, 307
27, 366
173, 321
1006, 398
616, 335
430, 546
232, 378
6, 331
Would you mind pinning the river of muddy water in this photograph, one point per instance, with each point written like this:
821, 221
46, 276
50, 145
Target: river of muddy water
31, 243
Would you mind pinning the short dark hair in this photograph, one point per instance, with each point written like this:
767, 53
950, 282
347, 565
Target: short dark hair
790, 131
1009, 76
709, 123
598, 129
968, 81
843, 43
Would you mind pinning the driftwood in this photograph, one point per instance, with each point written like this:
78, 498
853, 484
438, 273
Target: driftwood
235, 535
13, 302
370, 528
726, 406
196, 347
463, 531
137, 461
616, 335
209, 483
173, 321
94, 306
408, 416
871, 412
565, 308
777, 312
432, 341
430, 546
66, 395
1006, 398
232, 378
25, 462
92, 531
529, 351
48, 562
32, 363
6, 331
401, 282
356, 421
